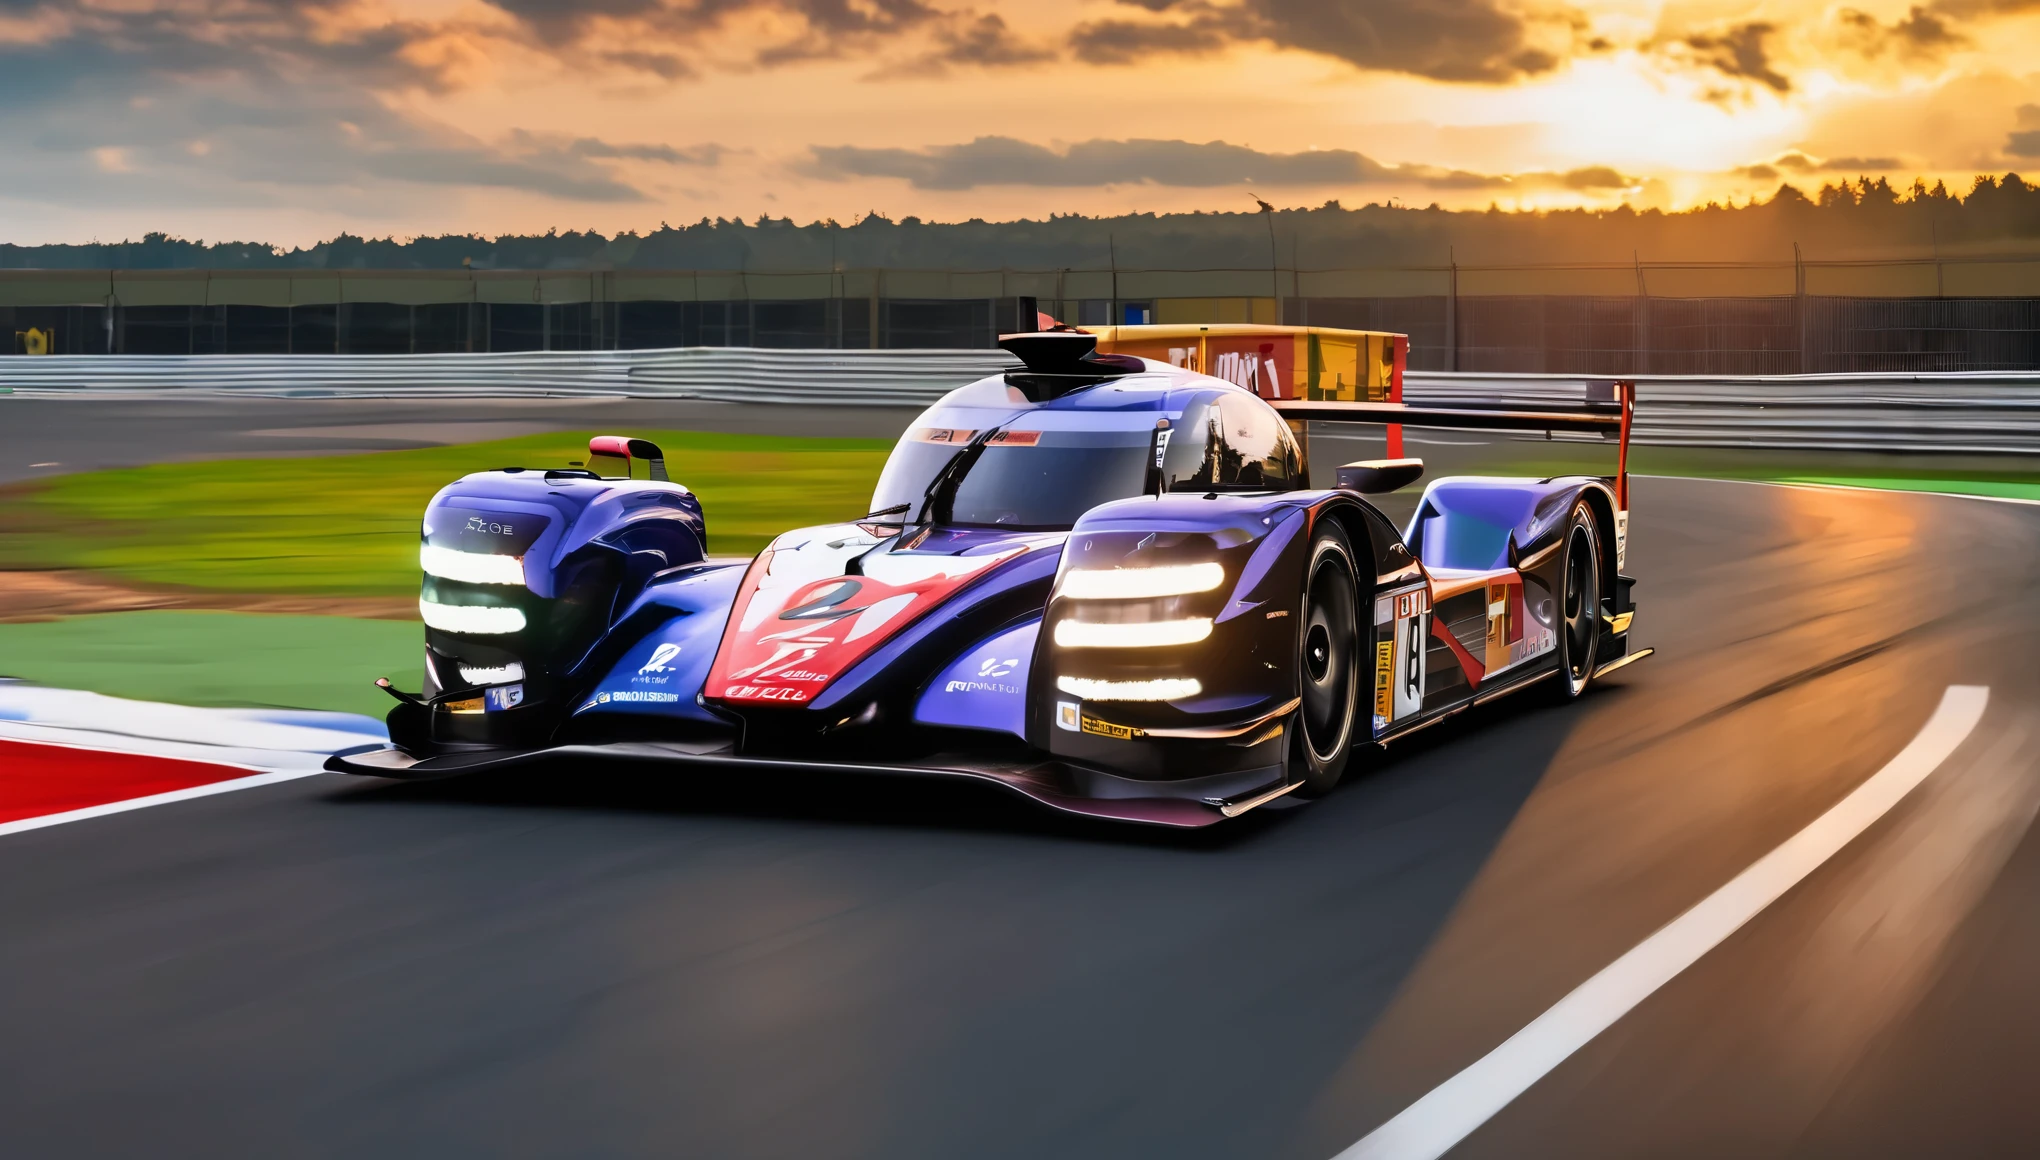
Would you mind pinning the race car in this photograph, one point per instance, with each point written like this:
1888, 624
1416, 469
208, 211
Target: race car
1100, 581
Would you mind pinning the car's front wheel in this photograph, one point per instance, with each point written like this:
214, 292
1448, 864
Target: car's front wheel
1321, 740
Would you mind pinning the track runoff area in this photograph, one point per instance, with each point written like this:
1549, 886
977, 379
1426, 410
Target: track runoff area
1772, 893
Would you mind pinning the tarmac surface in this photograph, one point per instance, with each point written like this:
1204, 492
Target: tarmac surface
626, 962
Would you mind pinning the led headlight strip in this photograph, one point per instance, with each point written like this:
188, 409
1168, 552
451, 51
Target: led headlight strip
499, 675
470, 567
1142, 583
470, 619
1160, 689
1139, 634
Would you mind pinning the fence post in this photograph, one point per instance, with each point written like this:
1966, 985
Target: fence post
1641, 333
1452, 312
1799, 306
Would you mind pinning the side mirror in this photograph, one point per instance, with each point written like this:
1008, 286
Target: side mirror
1376, 476
609, 456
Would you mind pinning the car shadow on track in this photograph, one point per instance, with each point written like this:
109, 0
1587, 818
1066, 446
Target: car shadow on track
1286, 933
959, 804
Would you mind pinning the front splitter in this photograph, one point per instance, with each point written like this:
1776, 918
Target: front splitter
1051, 783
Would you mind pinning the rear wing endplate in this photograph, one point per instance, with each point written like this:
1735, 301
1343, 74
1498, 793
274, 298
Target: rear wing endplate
1609, 408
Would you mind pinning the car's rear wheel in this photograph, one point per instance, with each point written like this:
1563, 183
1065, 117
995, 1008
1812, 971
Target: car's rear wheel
1321, 735
1579, 633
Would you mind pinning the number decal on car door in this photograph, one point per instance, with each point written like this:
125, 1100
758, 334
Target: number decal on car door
1403, 621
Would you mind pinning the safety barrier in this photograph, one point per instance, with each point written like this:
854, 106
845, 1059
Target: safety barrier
1984, 412
1979, 412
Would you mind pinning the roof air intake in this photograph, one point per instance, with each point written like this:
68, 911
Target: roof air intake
1061, 361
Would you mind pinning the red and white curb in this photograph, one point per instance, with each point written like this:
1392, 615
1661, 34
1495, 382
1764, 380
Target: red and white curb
67, 755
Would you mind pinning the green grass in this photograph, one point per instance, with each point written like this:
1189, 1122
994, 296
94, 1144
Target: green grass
220, 658
348, 525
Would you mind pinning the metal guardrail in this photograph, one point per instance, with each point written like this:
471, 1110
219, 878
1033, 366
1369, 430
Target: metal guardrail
1978, 412
725, 374
1982, 412
549, 373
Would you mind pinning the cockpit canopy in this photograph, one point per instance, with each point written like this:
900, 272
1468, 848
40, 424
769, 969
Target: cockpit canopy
1042, 466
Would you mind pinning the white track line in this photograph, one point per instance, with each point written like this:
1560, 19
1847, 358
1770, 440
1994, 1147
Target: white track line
154, 799
1846, 487
1452, 1110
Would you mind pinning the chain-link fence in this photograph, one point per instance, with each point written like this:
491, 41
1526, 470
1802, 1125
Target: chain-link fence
1976, 313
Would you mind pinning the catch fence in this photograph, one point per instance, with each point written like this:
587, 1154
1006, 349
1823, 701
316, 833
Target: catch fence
1899, 315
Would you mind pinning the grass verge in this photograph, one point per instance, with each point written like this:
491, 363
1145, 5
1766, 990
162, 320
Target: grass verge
348, 525
220, 658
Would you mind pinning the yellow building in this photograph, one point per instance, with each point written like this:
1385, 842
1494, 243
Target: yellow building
1275, 362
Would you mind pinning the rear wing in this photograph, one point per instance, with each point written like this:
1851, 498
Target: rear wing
1609, 407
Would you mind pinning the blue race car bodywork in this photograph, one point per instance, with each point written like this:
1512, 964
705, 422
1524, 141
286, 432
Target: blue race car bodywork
1104, 583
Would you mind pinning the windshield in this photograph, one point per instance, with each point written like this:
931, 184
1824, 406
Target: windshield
1023, 479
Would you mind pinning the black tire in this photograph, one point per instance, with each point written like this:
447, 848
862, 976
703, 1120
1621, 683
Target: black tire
1579, 606
1328, 669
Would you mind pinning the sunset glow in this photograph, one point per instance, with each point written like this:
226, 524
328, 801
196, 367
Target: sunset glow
290, 121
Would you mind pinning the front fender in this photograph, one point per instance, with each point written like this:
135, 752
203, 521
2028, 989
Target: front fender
1167, 710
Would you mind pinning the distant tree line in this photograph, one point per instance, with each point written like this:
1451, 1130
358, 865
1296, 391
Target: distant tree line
1847, 219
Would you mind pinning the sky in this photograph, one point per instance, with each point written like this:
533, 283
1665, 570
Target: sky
288, 122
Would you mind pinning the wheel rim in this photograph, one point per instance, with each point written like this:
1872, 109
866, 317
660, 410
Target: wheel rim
1327, 660
1580, 597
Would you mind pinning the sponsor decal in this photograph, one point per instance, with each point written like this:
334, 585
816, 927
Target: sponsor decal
1384, 682
638, 697
489, 527
1408, 612
1098, 727
1410, 635
504, 697
764, 693
981, 687
987, 680
660, 656
1014, 439
942, 434
1068, 716
823, 626
1254, 371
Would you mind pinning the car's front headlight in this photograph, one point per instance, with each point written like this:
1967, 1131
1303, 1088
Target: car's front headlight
1135, 634
1142, 583
470, 567
470, 619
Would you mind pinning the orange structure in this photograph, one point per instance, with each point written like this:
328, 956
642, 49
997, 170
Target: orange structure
1278, 362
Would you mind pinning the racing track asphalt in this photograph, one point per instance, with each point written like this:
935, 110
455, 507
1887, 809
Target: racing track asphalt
625, 963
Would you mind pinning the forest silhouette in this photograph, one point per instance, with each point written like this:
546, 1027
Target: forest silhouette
1866, 218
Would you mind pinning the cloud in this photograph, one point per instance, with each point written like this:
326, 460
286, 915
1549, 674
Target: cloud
995, 161
704, 155
1740, 52
987, 41
1449, 40
1794, 161
665, 37
1595, 177
256, 102
1919, 35
2025, 139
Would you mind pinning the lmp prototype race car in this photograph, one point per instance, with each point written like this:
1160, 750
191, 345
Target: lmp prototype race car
1101, 581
